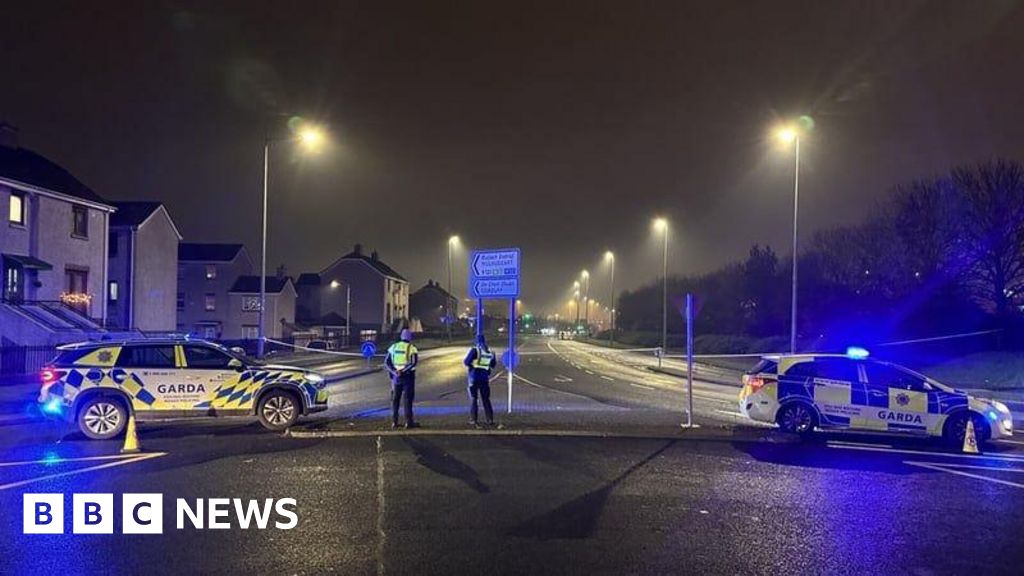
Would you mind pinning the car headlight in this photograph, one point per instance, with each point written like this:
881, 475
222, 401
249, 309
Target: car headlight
315, 379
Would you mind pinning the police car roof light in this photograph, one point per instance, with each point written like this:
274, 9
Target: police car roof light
857, 353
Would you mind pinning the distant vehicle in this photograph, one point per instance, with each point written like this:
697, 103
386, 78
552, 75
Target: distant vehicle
565, 335
320, 345
833, 391
96, 384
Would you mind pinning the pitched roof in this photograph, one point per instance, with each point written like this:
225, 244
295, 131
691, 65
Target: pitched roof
196, 252
309, 278
251, 284
435, 287
28, 167
133, 213
375, 263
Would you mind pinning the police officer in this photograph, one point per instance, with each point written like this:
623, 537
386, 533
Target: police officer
480, 361
401, 365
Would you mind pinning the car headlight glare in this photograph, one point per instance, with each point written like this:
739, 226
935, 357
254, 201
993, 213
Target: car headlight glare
315, 379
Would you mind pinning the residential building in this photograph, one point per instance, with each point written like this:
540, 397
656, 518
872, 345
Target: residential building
242, 315
379, 295
53, 246
430, 304
206, 274
143, 252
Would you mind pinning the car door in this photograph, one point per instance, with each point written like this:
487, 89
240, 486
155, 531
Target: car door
212, 378
144, 371
833, 383
905, 404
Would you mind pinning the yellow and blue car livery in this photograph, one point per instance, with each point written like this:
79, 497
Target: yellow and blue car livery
174, 378
843, 392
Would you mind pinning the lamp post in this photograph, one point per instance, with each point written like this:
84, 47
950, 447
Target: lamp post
789, 135
452, 242
310, 137
348, 309
609, 257
576, 297
661, 225
586, 299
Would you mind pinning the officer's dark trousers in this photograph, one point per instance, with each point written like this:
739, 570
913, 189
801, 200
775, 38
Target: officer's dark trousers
404, 387
481, 389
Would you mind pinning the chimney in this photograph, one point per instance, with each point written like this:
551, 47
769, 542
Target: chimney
373, 255
8, 135
357, 249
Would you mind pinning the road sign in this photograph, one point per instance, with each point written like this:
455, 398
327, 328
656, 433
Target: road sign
494, 273
369, 349
510, 359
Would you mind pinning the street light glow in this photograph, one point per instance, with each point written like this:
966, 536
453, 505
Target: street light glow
609, 256
786, 134
312, 138
660, 224
585, 274
453, 240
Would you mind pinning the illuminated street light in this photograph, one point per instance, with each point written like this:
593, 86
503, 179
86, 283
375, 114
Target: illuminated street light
609, 257
586, 299
453, 241
791, 135
661, 225
311, 138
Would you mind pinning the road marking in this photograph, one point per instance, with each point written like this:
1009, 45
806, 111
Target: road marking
381, 536
609, 378
496, 376
644, 386
841, 443
937, 468
589, 372
125, 460
973, 467
560, 378
49, 461
1004, 441
873, 448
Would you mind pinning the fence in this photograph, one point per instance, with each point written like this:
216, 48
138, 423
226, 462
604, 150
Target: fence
24, 359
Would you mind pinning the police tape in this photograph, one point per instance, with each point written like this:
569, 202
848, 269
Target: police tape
308, 349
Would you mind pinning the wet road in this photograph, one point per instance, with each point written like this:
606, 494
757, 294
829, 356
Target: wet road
558, 491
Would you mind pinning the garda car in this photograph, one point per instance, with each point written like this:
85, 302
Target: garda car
96, 384
804, 392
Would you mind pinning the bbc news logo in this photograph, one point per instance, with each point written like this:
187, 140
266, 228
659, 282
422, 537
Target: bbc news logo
144, 514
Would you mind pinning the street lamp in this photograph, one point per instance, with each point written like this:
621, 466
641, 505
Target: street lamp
348, 309
661, 225
586, 299
311, 138
452, 242
791, 135
576, 296
609, 257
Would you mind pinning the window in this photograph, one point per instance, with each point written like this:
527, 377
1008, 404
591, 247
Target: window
205, 357
80, 221
17, 208
181, 301
894, 377
113, 291
837, 369
210, 302
211, 272
250, 332
209, 331
146, 357
112, 247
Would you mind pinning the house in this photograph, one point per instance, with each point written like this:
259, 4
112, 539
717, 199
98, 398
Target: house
53, 248
379, 295
430, 304
143, 255
206, 274
242, 315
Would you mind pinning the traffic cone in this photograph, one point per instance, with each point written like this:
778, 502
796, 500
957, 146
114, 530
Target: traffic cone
970, 439
131, 438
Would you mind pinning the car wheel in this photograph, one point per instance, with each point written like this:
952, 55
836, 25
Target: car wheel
278, 409
956, 428
102, 418
796, 418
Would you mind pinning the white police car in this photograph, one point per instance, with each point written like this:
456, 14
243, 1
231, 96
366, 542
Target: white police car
95, 384
808, 391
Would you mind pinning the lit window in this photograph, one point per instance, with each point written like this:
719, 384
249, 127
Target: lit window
211, 302
80, 221
113, 291
17, 211
211, 272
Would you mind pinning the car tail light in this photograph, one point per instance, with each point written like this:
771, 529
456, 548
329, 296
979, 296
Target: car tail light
755, 383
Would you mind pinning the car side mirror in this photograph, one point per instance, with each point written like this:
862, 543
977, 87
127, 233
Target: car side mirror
237, 349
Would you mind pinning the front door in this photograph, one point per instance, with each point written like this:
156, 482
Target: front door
212, 379
76, 283
14, 282
905, 408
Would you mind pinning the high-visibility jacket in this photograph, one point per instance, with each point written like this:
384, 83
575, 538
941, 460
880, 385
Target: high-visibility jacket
402, 354
483, 359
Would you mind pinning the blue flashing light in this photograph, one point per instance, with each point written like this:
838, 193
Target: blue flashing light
993, 416
53, 406
857, 353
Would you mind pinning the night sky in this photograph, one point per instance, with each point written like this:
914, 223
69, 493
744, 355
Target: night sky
562, 128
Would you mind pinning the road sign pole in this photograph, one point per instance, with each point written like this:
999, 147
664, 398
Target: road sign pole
479, 317
511, 347
689, 360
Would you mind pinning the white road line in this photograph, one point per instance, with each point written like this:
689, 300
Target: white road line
930, 466
121, 462
52, 461
609, 378
841, 443
560, 378
645, 387
1004, 441
589, 372
973, 467
874, 448
381, 535
531, 383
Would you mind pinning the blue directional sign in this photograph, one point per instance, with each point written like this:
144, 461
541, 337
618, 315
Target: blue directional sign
368, 349
494, 273
510, 359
